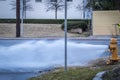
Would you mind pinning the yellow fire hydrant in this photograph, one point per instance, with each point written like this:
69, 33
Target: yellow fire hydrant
113, 48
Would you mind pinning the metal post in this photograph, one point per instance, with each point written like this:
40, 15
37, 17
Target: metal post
91, 4
116, 30
91, 22
22, 15
83, 9
65, 27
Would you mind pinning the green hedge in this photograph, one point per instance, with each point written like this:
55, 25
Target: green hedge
44, 21
76, 24
40, 21
7, 20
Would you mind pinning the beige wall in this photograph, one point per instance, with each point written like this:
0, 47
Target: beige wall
31, 30
103, 22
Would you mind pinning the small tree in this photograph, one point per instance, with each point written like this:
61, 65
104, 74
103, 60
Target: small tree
26, 6
82, 7
55, 5
102, 4
86, 10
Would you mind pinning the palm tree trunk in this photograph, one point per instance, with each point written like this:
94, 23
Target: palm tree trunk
18, 18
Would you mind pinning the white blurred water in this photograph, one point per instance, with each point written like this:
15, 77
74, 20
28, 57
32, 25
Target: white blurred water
46, 53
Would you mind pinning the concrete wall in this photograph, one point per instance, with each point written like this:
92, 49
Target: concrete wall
31, 30
7, 30
104, 22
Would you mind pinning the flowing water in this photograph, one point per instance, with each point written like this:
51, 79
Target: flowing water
35, 55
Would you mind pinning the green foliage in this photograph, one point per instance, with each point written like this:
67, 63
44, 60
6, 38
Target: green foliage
78, 73
7, 20
109, 76
40, 21
76, 24
113, 74
71, 74
43, 21
102, 4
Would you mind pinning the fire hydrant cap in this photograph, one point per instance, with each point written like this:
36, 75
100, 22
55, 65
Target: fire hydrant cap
113, 40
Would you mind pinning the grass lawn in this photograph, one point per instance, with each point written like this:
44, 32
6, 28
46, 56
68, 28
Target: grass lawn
73, 73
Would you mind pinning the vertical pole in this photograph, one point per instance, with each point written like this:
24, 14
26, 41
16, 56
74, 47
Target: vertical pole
17, 18
24, 8
56, 8
83, 10
91, 4
116, 30
65, 27
22, 14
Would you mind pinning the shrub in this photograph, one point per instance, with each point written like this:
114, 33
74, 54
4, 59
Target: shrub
44, 21
39, 21
7, 20
76, 24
